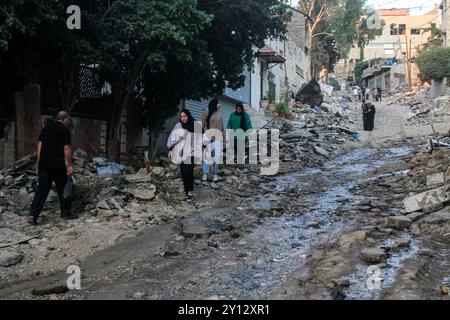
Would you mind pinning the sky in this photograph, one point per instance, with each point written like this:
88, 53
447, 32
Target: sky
419, 7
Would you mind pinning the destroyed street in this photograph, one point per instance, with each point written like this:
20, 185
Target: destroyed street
309, 233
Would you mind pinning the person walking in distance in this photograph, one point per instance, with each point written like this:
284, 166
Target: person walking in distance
54, 164
211, 119
183, 150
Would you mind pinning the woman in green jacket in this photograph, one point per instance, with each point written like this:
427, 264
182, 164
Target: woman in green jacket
239, 120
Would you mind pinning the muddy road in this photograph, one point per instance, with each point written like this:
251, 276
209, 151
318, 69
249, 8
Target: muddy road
299, 237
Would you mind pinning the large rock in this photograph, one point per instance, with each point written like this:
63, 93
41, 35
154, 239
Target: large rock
8, 259
138, 178
159, 171
105, 214
322, 152
399, 222
144, 194
438, 217
9, 180
373, 255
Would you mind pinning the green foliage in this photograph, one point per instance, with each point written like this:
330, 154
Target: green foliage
334, 33
283, 107
271, 95
435, 63
333, 82
345, 19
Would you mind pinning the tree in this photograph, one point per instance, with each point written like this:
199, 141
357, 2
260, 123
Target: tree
332, 30
37, 47
217, 57
433, 63
138, 36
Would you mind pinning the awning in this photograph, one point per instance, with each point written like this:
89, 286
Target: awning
270, 55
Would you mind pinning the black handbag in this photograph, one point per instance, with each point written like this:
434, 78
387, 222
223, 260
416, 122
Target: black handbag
69, 190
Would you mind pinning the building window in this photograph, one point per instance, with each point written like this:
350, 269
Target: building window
415, 31
394, 30
402, 29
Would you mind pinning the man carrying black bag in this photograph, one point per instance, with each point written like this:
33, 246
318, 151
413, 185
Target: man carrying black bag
53, 152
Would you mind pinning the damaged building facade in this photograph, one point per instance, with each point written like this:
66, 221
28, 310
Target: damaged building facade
403, 33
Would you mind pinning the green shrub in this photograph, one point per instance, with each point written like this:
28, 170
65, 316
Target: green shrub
434, 63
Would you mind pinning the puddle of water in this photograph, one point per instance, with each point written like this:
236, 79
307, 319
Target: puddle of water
366, 284
282, 243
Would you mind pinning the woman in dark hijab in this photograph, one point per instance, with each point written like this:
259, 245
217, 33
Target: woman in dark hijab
183, 149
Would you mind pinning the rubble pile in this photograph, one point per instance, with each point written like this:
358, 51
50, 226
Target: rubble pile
104, 189
419, 186
408, 98
316, 134
424, 111
432, 111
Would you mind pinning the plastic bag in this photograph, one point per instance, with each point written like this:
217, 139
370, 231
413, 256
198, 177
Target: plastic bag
109, 171
69, 190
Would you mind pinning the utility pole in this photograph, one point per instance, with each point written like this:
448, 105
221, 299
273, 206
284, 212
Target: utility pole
408, 61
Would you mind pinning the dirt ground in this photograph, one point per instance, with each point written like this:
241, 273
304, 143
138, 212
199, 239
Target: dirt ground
294, 236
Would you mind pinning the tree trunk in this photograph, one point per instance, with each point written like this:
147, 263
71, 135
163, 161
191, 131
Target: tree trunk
120, 104
153, 135
113, 140
438, 88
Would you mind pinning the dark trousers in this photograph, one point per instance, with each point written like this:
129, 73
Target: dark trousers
46, 178
187, 175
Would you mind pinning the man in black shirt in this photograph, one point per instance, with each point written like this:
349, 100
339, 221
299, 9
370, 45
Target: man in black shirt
53, 151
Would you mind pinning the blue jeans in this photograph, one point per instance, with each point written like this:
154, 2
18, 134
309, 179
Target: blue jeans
216, 148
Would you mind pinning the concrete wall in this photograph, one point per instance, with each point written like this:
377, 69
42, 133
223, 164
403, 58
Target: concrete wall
8, 152
290, 75
28, 115
87, 135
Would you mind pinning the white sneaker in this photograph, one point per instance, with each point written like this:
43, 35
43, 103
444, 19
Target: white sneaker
216, 178
205, 177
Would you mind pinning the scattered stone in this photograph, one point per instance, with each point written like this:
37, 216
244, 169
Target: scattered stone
9, 180
169, 253
321, 151
213, 244
400, 244
440, 217
373, 255
360, 235
54, 289
139, 295
399, 222
144, 194
313, 224
105, 214
180, 238
415, 230
434, 208
9, 259
138, 178
416, 215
